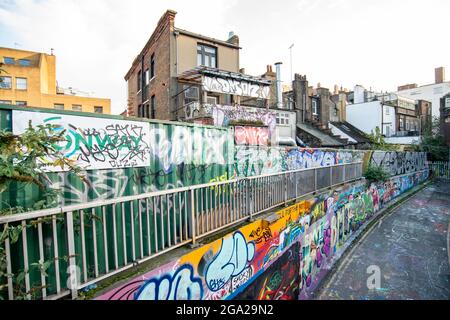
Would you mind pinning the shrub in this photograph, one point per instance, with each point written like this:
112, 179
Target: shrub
376, 174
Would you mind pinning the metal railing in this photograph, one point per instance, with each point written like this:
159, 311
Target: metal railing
76, 246
439, 169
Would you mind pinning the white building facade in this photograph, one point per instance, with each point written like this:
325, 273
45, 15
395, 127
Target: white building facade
432, 92
367, 116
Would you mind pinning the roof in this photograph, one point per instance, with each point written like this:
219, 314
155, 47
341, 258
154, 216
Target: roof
202, 37
352, 131
195, 73
326, 140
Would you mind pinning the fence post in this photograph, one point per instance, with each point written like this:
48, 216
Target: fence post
73, 270
285, 189
248, 202
331, 176
315, 179
193, 220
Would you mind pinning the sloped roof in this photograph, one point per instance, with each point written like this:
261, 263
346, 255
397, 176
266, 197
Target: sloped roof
351, 130
326, 139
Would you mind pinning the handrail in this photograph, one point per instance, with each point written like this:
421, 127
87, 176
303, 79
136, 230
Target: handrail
106, 202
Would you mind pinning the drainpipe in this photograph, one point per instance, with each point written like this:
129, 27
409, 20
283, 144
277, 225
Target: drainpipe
278, 83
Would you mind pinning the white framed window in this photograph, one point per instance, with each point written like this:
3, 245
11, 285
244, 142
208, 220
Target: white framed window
282, 118
387, 111
77, 107
5, 82
315, 109
58, 106
21, 83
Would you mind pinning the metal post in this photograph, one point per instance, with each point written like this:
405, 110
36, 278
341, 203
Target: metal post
73, 272
248, 196
193, 226
315, 179
285, 189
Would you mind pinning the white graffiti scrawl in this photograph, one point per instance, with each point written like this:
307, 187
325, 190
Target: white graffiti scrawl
230, 265
240, 88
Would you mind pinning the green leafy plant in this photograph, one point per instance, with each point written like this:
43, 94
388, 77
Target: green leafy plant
378, 143
433, 142
376, 174
24, 159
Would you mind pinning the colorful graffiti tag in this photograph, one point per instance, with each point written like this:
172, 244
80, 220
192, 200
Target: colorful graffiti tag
257, 160
251, 136
105, 144
285, 259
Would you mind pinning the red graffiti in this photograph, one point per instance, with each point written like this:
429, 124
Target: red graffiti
253, 136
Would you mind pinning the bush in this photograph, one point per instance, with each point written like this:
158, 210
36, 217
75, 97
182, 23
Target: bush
376, 174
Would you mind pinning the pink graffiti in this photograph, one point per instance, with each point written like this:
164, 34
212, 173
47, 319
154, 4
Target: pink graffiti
253, 136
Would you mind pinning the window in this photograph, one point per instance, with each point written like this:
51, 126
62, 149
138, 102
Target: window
190, 94
21, 83
206, 56
315, 110
140, 111
21, 103
139, 81
5, 102
24, 62
147, 77
447, 104
211, 100
9, 60
387, 111
152, 66
283, 118
76, 107
5, 82
98, 109
407, 125
227, 99
388, 131
400, 124
58, 106
153, 107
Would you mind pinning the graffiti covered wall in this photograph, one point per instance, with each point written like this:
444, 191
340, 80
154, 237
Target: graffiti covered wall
284, 259
257, 160
124, 157
397, 163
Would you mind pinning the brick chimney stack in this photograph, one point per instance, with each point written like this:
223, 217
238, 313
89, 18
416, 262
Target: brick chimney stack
439, 75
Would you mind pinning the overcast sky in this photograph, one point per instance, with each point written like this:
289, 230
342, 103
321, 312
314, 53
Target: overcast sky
375, 43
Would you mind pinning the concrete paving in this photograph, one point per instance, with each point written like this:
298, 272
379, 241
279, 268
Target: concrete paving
409, 248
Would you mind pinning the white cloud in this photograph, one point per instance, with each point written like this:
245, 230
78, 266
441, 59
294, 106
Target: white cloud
375, 43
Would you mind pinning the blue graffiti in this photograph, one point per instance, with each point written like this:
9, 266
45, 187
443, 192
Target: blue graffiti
231, 260
182, 285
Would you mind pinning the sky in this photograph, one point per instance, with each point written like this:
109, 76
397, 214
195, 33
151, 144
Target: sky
379, 44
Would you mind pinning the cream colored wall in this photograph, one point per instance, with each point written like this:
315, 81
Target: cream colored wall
41, 83
87, 103
228, 58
